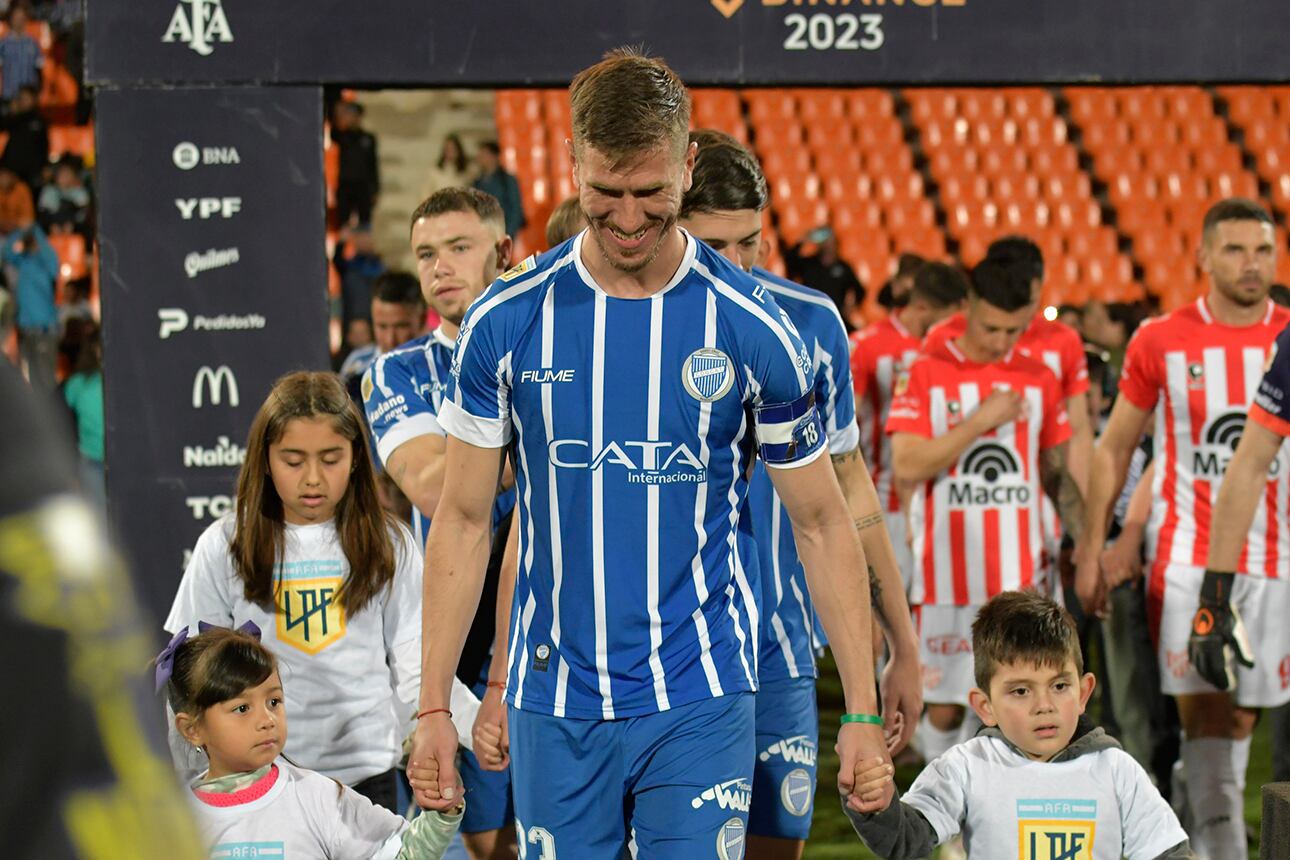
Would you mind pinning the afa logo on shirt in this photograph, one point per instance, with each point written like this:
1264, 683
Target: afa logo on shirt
309, 618
1050, 829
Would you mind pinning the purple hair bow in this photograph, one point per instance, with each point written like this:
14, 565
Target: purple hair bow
165, 661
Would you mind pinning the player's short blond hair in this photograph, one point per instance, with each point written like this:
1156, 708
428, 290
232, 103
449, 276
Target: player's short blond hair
629, 105
566, 221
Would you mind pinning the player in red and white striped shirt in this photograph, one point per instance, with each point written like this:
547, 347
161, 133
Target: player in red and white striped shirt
1199, 368
879, 355
980, 429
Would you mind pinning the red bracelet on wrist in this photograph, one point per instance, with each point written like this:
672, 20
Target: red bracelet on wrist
501, 685
430, 711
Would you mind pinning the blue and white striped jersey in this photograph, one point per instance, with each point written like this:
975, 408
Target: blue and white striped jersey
632, 421
402, 393
788, 618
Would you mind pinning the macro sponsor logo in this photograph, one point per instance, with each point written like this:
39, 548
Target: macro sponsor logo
795, 750
214, 258
218, 384
225, 453
187, 155
646, 462
1218, 443
205, 208
735, 794
199, 24
209, 506
989, 476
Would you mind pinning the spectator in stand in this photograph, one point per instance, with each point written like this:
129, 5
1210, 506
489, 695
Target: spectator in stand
1073, 316
64, 204
1111, 325
452, 170
16, 208
21, 59
360, 178
27, 151
495, 180
566, 221
358, 265
83, 392
895, 293
825, 270
398, 315
35, 269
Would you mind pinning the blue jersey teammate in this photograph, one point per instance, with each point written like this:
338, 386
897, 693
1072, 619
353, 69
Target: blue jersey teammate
723, 208
459, 240
634, 374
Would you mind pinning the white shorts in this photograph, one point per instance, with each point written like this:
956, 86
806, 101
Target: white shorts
898, 531
1173, 593
945, 649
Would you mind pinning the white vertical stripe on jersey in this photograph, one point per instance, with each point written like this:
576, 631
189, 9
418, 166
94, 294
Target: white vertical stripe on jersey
742, 301
776, 623
598, 506
440, 385
974, 516
1053, 360
520, 639
553, 502
739, 575
1184, 495
1035, 397
942, 549
822, 361
481, 308
651, 501
700, 507
1252, 358
1217, 401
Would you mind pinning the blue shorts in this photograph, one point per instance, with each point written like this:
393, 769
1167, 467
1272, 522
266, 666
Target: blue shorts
788, 734
488, 792
678, 782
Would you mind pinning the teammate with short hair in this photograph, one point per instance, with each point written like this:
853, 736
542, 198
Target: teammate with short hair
981, 430
1198, 368
398, 316
566, 221
459, 239
880, 354
723, 208
634, 374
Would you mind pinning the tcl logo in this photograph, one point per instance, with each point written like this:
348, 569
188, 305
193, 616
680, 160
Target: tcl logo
207, 207
212, 507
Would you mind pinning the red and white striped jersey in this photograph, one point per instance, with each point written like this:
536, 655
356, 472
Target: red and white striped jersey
976, 526
1056, 344
879, 355
1200, 376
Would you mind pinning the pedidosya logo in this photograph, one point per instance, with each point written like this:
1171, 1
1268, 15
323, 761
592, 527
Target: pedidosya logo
989, 475
1218, 444
707, 374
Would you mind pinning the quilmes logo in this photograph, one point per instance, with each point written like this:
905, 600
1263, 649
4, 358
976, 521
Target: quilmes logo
707, 374
225, 453
646, 462
989, 475
214, 384
732, 794
187, 155
196, 263
795, 750
175, 320
199, 24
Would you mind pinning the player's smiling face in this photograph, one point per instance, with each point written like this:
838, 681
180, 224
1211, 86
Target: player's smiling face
310, 467
1240, 256
632, 206
1036, 707
733, 233
458, 256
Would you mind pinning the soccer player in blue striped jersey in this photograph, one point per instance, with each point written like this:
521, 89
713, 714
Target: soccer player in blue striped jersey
634, 374
459, 239
723, 208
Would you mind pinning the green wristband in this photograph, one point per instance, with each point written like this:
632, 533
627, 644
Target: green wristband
871, 719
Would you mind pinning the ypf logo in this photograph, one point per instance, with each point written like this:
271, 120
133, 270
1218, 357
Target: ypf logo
214, 383
200, 27
989, 475
707, 374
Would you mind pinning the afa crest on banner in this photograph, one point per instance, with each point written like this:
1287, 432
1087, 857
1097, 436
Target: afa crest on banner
309, 617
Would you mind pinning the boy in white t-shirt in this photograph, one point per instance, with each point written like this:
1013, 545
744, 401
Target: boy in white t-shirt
1039, 781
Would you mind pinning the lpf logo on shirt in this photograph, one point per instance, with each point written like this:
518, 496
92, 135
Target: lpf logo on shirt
1056, 829
309, 617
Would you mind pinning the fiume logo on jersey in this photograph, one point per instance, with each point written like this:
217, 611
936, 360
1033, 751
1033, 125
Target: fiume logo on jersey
707, 374
199, 24
795, 792
644, 461
795, 750
733, 794
989, 475
1218, 444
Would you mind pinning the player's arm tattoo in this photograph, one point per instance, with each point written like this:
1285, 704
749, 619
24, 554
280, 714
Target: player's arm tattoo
1062, 489
875, 597
853, 454
868, 522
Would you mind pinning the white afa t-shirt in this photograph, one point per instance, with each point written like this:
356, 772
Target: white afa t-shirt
1098, 806
304, 814
351, 681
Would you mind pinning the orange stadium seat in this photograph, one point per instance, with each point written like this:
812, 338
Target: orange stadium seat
76, 139
73, 261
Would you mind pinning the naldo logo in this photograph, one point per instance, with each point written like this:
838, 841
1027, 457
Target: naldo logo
988, 475
199, 24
